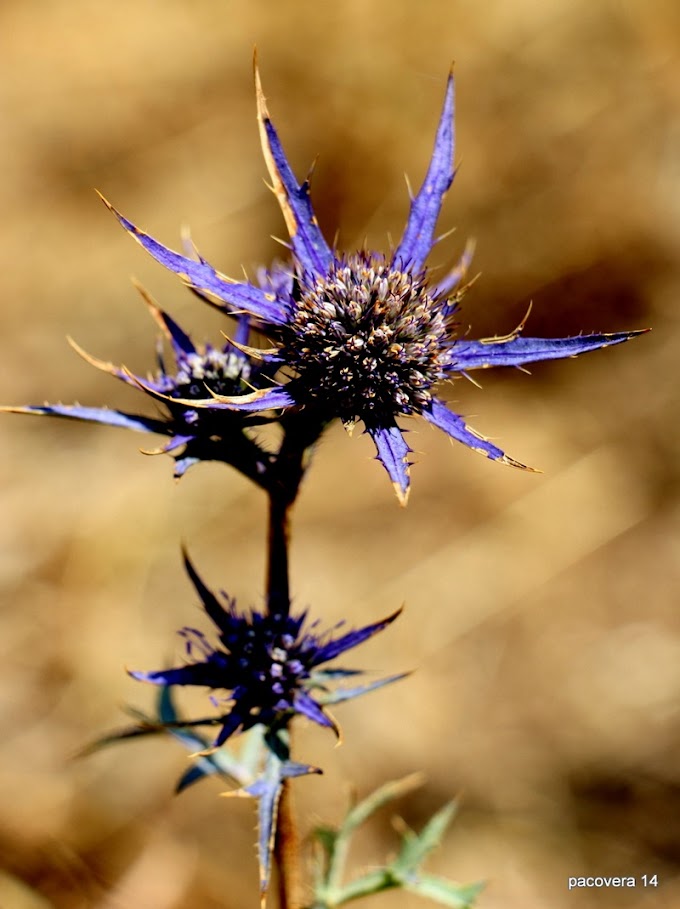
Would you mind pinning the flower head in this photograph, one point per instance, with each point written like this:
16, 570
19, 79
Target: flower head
195, 433
363, 336
269, 663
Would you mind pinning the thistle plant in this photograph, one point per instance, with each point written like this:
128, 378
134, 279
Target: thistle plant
358, 336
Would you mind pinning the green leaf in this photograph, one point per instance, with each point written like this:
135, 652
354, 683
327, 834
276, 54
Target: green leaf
347, 694
446, 893
388, 792
403, 872
327, 838
357, 816
417, 846
372, 882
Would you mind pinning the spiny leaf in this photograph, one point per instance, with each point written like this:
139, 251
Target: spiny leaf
347, 694
417, 846
446, 893
267, 789
403, 872
388, 792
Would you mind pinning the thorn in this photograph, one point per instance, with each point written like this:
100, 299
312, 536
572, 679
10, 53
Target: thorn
277, 183
206, 752
310, 172
93, 361
504, 339
154, 308
446, 234
235, 794
188, 244
402, 494
255, 352
335, 726
466, 375
151, 451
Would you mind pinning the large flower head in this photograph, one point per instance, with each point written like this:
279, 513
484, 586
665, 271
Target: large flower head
363, 336
268, 664
195, 433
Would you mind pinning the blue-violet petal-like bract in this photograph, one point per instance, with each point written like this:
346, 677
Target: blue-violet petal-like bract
194, 433
360, 335
267, 663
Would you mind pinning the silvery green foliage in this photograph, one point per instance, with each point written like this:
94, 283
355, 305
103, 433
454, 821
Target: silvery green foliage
332, 889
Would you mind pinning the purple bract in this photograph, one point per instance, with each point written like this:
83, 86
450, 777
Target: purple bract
270, 663
356, 336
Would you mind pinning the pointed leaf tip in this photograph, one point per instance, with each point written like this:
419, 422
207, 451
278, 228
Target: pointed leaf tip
204, 278
308, 243
402, 494
102, 415
102, 365
418, 238
453, 425
516, 350
392, 452
417, 846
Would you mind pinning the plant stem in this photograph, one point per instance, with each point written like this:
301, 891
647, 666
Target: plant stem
282, 494
287, 852
287, 844
301, 431
284, 476
278, 585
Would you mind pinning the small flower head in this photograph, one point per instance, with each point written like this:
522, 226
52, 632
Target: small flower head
362, 336
195, 433
366, 337
268, 664
219, 370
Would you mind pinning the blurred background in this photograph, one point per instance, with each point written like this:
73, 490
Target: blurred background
541, 610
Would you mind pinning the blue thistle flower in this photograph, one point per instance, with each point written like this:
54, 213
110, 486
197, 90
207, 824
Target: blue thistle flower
195, 433
269, 662
362, 336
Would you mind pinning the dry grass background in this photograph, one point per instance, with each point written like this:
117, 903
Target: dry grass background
541, 610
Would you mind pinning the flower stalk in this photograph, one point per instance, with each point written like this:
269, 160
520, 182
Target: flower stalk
301, 432
287, 852
278, 584
282, 495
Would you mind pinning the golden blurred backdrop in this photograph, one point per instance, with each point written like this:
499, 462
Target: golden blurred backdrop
541, 610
